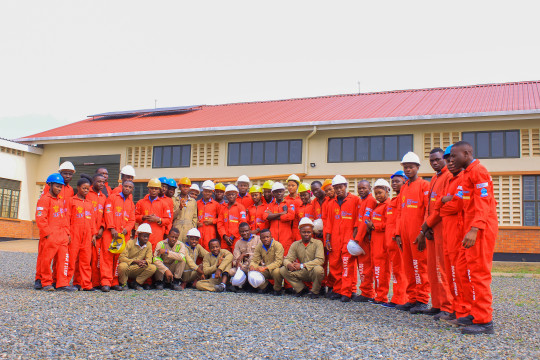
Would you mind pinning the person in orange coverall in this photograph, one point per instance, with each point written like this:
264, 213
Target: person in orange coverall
53, 223
280, 215
342, 219
303, 210
410, 217
366, 204
97, 198
207, 214
319, 206
83, 235
480, 227
255, 214
230, 216
155, 211
244, 197
168, 189
119, 219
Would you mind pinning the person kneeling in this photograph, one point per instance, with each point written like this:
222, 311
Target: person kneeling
267, 260
135, 262
216, 266
243, 252
310, 253
171, 259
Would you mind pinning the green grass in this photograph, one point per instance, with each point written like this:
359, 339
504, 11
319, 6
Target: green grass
516, 268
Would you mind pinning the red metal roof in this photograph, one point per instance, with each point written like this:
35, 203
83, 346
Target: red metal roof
488, 98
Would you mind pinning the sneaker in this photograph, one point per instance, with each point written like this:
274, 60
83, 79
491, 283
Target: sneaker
159, 285
105, 288
476, 329
389, 305
345, 299
405, 307
312, 295
147, 286
419, 308
220, 287
177, 285
67, 288
440, 314
48, 288
465, 321
431, 311
37, 284
361, 298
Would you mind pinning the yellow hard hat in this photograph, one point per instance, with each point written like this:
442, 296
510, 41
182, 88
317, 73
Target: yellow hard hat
117, 246
184, 181
268, 184
154, 183
294, 178
304, 187
255, 189
326, 183
220, 186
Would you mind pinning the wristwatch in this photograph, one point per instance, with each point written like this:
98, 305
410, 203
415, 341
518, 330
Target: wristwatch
301, 266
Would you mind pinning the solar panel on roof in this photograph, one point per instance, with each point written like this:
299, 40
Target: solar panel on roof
146, 112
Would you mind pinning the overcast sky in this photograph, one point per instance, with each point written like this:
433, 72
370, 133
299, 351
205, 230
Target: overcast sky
63, 60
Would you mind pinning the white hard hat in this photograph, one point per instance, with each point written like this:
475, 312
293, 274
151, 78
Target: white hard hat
338, 179
195, 187
128, 170
144, 228
293, 177
66, 165
239, 278
208, 185
354, 248
278, 186
410, 157
231, 187
256, 279
305, 221
317, 225
381, 183
243, 178
194, 232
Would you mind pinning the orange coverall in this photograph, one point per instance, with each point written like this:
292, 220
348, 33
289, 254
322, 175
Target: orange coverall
256, 216
480, 211
410, 217
281, 229
207, 211
98, 203
320, 211
170, 210
379, 252
365, 267
300, 212
158, 207
119, 215
245, 200
53, 223
229, 220
394, 255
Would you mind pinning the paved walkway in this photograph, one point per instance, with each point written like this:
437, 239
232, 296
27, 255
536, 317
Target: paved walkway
25, 246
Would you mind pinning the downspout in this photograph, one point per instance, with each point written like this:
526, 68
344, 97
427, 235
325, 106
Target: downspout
307, 148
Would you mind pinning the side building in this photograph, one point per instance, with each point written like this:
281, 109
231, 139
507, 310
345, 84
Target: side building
361, 136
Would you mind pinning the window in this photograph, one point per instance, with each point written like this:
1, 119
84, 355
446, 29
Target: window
531, 200
369, 148
140, 191
10, 191
171, 156
494, 144
265, 152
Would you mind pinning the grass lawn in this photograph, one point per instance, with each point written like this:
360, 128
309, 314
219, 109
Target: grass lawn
516, 267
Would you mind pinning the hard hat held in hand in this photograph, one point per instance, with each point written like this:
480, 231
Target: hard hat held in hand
118, 245
256, 279
318, 225
239, 278
128, 170
410, 157
354, 248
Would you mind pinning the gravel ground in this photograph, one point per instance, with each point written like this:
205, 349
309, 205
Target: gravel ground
194, 324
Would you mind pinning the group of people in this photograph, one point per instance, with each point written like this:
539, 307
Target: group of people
430, 240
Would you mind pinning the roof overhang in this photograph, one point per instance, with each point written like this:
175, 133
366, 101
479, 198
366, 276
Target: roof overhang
22, 147
300, 126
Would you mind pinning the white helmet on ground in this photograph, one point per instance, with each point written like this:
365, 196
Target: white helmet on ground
410, 157
231, 187
66, 165
317, 225
354, 248
278, 186
382, 183
128, 170
243, 178
144, 228
194, 232
256, 279
208, 185
239, 278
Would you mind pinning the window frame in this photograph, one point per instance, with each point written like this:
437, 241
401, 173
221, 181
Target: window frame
275, 144
536, 200
370, 145
185, 147
490, 149
10, 197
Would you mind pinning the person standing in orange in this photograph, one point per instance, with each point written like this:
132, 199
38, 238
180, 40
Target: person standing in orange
303, 210
126, 174
97, 198
168, 189
105, 174
83, 235
293, 182
280, 215
244, 197
53, 224
154, 211
480, 228
119, 219
255, 214
342, 218
207, 214
410, 217
230, 216
267, 192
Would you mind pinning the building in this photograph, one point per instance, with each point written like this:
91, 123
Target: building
361, 136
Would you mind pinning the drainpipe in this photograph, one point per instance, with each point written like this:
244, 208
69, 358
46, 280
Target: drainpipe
307, 148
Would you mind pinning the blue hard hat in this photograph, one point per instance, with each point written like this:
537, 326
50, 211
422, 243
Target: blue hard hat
399, 173
163, 180
171, 183
447, 150
56, 178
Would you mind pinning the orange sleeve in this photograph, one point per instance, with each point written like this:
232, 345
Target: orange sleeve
483, 196
42, 216
131, 220
139, 212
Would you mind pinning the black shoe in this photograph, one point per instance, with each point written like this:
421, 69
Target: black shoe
312, 295
419, 308
48, 288
376, 302
289, 291
67, 288
302, 292
266, 290
117, 288
465, 321
91, 289
322, 292
277, 292
389, 305
79, 288
405, 307
176, 285
361, 298
136, 286
37, 285
335, 296
448, 317
105, 288
431, 311
329, 293
440, 315
159, 285
220, 287
147, 286
231, 288
345, 299
476, 329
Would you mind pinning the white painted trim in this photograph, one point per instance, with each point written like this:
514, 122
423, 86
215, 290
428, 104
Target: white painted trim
21, 147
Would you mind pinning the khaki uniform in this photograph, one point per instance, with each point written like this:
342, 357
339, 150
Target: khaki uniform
176, 259
272, 259
133, 252
312, 256
210, 265
244, 247
190, 275
185, 218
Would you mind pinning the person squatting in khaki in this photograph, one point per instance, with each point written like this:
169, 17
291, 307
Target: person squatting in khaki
136, 260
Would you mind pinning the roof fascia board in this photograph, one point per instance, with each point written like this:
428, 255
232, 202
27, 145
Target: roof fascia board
304, 126
21, 147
